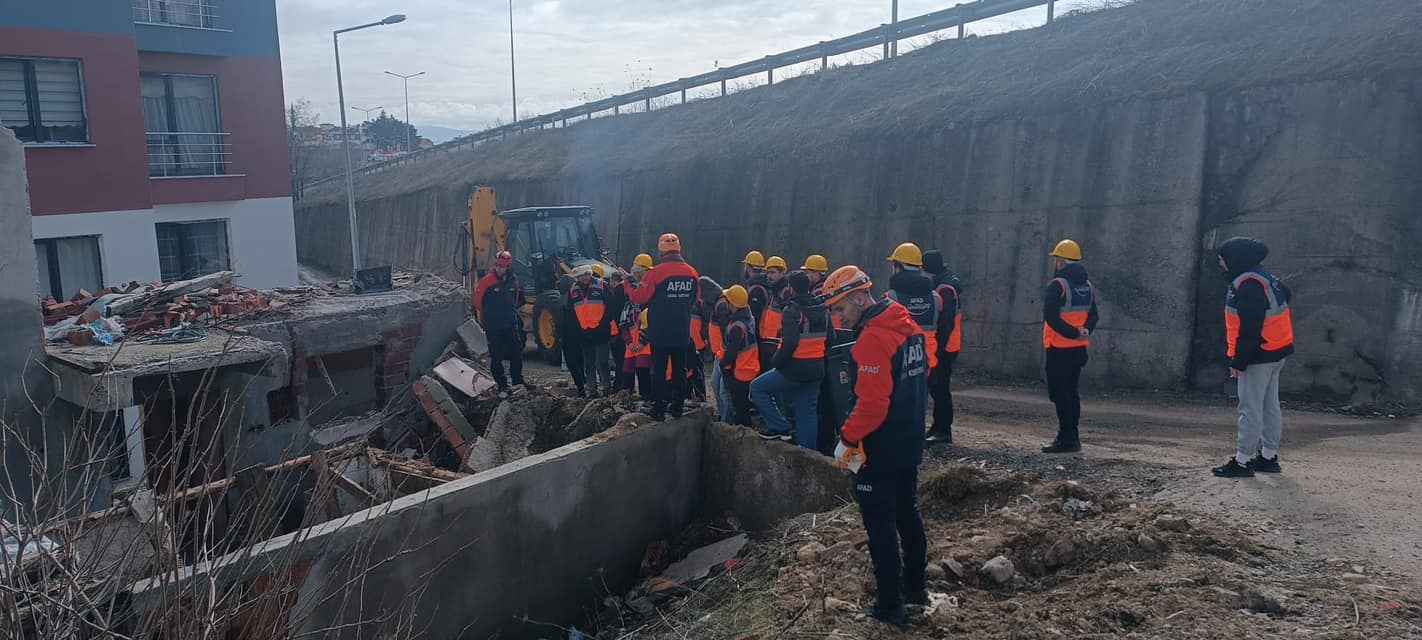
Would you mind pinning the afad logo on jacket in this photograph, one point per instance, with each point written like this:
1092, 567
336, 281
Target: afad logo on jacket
680, 288
915, 358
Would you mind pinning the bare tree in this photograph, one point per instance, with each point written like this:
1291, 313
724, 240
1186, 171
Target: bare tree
299, 115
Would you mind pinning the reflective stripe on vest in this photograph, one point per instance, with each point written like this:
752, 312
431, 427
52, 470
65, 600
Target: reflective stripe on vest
588, 305
1076, 306
924, 309
748, 358
814, 330
1278, 331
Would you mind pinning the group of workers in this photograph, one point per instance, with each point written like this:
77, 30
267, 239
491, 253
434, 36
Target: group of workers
771, 337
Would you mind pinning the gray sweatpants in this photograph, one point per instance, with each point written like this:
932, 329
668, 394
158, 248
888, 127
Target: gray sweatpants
1261, 424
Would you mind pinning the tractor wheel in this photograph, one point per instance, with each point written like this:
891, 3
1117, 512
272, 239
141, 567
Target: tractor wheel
545, 330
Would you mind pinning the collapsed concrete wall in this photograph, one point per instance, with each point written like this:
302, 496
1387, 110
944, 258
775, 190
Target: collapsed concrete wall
1318, 159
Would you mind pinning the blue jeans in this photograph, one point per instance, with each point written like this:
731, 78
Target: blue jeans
767, 390
725, 406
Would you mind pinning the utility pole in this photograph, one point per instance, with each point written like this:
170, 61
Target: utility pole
894, 20
513, 72
346, 138
408, 127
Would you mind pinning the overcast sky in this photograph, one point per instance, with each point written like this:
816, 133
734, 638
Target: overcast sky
569, 51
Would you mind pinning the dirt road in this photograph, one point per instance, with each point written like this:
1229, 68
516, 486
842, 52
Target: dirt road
1349, 489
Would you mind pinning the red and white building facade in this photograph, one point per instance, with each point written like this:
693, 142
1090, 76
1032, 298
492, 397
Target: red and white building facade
155, 139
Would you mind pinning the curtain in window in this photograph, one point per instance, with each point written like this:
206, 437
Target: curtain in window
79, 264
61, 100
195, 111
162, 150
44, 282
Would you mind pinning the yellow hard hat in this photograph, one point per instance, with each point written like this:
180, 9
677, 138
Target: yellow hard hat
1067, 250
755, 259
643, 260
908, 253
644, 319
776, 262
816, 262
598, 271
737, 296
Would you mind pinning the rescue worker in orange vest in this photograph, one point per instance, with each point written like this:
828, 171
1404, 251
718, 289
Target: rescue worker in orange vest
753, 280
498, 298
881, 441
950, 341
1259, 336
817, 267
637, 364
912, 288
770, 319
588, 298
617, 347
700, 342
1068, 318
740, 362
798, 368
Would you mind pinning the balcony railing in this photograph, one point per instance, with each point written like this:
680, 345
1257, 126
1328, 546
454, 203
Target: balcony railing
182, 154
183, 13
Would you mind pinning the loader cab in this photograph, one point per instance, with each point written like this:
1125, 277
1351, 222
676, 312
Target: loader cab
546, 241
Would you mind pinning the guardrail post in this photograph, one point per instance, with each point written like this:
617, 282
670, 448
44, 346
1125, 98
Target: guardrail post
723, 86
885, 28
1051, 10
962, 24
649, 104
824, 56
616, 110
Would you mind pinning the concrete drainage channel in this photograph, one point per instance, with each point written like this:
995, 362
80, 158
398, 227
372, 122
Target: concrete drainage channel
530, 548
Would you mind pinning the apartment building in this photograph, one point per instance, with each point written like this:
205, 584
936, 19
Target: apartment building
155, 139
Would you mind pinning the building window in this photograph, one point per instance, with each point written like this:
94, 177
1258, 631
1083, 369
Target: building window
67, 265
191, 249
184, 132
186, 13
43, 100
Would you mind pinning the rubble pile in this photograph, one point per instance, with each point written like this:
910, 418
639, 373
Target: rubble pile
1011, 556
110, 314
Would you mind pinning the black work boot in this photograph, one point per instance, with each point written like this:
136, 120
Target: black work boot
917, 597
897, 616
1057, 446
1260, 464
939, 436
658, 411
1233, 469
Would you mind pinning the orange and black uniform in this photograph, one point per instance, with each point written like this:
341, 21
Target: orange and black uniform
914, 290
770, 321
740, 363
949, 334
1259, 326
890, 378
757, 295
617, 347
498, 301
1069, 304
594, 320
700, 342
668, 293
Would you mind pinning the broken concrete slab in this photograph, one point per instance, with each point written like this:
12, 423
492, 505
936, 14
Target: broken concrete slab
699, 563
464, 377
744, 465
508, 438
474, 339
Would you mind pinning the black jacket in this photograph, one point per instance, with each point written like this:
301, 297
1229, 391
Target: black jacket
616, 300
1075, 274
803, 313
1250, 301
946, 323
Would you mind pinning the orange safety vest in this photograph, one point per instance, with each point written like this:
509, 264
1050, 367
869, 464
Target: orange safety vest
814, 329
773, 317
588, 305
924, 309
748, 359
955, 341
718, 340
1076, 306
696, 340
1278, 319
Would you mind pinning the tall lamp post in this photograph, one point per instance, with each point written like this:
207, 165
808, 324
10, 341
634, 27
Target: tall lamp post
408, 126
513, 73
346, 138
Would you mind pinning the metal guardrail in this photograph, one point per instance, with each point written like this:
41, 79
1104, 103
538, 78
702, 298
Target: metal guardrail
185, 154
959, 16
184, 13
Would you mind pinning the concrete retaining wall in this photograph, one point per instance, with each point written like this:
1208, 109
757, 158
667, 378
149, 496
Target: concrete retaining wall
1324, 172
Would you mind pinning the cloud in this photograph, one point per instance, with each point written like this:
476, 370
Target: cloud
569, 51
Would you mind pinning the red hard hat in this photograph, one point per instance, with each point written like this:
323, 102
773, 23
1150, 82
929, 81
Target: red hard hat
503, 259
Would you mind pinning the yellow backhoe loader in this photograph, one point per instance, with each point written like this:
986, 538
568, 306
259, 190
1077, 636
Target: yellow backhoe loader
547, 243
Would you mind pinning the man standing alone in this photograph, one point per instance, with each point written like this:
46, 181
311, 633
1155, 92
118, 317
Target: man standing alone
950, 342
1068, 318
498, 299
1259, 335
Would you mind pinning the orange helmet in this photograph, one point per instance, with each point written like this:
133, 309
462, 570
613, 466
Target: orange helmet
503, 259
669, 243
844, 281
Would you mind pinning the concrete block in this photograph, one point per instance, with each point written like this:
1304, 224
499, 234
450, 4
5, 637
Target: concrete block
763, 483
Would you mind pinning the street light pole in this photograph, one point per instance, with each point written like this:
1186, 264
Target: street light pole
408, 126
513, 72
894, 20
346, 138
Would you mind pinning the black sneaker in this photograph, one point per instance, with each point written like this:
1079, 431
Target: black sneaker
1260, 464
916, 598
897, 616
1233, 469
1057, 446
768, 435
935, 437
